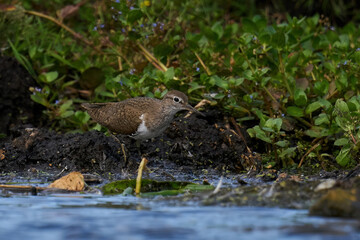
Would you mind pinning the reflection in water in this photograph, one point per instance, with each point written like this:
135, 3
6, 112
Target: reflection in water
117, 217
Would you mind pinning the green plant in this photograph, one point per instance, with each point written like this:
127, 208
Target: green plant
347, 117
282, 80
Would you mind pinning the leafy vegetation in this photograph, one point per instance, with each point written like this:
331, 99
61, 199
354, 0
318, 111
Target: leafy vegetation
295, 83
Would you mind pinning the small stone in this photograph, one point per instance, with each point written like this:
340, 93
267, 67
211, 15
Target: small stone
329, 183
74, 181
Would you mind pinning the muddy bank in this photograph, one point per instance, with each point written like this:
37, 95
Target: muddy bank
189, 145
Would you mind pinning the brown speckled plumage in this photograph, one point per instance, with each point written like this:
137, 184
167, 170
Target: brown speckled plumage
126, 116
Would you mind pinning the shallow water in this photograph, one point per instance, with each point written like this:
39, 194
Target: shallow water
119, 217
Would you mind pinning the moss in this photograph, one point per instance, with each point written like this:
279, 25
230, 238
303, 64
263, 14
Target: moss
155, 187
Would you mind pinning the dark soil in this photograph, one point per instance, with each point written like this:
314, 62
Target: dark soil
190, 145
16, 107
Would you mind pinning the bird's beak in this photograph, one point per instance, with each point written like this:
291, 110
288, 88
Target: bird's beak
191, 109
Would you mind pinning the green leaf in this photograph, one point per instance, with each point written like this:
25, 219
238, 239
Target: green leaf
194, 86
134, 15
32, 51
219, 96
322, 119
218, 29
261, 116
341, 106
67, 114
163, 50
279, 40
341, 142
317, 132
65, 106
353, 104
307, 53
289, 152
236, 81
343, 158
313, 107
248, 74
169, 74
300, 97
248, 25
325, 103
23, 60
342, 81
330, 66
274, 123
283, 143
321, 88
258, 133
82, 117
295, 111
220, 82
49, 76
39, 99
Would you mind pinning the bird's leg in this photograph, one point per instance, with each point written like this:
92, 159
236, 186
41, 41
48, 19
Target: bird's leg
115, 138
122, 147
138, 146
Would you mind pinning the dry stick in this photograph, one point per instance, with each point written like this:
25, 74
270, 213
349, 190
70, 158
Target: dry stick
120, 64
21, 187
203, 64
139, 176
152, 62
75, 34
239, 133
353, 138
151, 58
309, 151
199, 105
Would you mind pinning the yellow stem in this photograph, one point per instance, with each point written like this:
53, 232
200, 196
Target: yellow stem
139, 176
75, 34
203, 64
148, 55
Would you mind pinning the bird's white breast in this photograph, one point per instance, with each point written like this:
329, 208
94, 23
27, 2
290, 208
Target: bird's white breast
142, 131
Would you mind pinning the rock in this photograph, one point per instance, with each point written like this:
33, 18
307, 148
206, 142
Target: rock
74, 181
338, 203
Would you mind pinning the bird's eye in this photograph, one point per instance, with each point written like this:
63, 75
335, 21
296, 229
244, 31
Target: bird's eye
176, 99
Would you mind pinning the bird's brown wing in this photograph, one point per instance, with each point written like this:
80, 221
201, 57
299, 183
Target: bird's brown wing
118, 117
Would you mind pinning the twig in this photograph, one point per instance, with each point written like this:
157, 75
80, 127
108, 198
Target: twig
309, 151
203, 64
65, 168
218, 186
158, 64
239, 133
199, 105
120, 63
75, 34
